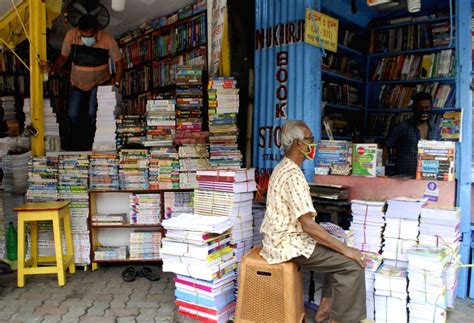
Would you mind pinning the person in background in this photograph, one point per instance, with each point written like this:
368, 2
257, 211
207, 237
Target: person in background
404, 137
291, 234
90, 49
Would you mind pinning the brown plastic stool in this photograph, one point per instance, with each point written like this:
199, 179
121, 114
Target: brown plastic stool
269, 293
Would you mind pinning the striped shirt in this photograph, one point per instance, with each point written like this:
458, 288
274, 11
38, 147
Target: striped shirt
87, 77
288, 198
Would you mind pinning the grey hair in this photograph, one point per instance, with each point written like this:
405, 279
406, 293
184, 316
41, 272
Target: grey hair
292, 130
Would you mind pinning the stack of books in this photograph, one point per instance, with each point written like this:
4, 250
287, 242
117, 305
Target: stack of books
15, 172
440, 227
177, 203
258, 213
164, 168
105, 133
197, 249
160, 123
189, 98
130, 130
73, 186
133, 169
436, 160
145, 208
337, 152
3, 249
427, 286
51, 126
223, 110
391, 294
372, 263
191, 159
7, 103
145, 245
103, 171
368, 221
110, 253
401, 230
107, 219
42, 179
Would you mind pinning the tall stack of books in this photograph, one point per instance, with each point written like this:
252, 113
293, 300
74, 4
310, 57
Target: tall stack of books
436, 160
191, 159
372, 263
42, 179
440, 227
130, 130
189, 98
177, 203
401, 230
197, 249
51, 126
368, 221
7, 103
103, 171
391, 294
15, 172
145, 208
427, 287
145, 245
133, 168
164, 168
105, 133
223, 110
73, 187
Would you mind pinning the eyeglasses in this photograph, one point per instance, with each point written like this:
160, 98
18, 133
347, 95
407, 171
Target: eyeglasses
309, 138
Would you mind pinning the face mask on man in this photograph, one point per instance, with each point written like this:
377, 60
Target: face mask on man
312, 151
88, 41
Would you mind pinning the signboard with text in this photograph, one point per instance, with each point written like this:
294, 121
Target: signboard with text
327, 27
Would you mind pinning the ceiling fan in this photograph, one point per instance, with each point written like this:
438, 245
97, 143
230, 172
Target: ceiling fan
77, 8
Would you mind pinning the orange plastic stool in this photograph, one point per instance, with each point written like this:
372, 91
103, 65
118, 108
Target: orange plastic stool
269, 293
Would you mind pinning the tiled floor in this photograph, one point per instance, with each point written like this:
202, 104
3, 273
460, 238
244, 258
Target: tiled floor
102, 297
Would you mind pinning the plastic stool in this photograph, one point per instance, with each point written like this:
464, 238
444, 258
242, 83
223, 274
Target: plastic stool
47, 211
269, 293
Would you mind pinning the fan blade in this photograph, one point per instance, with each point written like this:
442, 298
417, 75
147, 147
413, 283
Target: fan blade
95, 11
79, 8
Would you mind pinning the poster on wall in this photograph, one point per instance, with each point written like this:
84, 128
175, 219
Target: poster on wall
327, 27
216, 9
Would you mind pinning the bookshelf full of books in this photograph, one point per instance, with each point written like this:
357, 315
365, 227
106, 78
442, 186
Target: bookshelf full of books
408, 56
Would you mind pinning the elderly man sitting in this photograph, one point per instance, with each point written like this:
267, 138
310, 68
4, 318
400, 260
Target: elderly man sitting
290, 232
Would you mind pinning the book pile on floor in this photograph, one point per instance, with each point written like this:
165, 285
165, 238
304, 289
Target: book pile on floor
391, 294
436, 160
145, 208
7, 103
440, 227
15, 172
372, 263
42, 179
73, 186
110, 253
105, 133
145, 245
258, 213
427, 287
103, 171
367, 224
177, 203
401, 230
191, 159
2, 228
51, 126
130, 130
133, 169
197, 249
223, 110
107, 219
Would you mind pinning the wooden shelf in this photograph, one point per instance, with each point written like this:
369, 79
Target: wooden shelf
112, 261
335, 74
413, 51
127, 226
142, 191
177, 53
407, 23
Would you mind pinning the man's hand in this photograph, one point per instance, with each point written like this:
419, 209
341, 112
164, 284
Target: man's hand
356, 255
45, 66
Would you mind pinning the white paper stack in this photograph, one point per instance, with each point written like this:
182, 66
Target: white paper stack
440, 227
367, 224
177, 203
145, 208
372, 262
145, 245
427, 287
105, 133
198, 250
390, 295
401, 230
8, 105
15, 172
258, 211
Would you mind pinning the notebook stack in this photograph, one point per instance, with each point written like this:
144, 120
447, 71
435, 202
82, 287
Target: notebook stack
189, 99
198, 250
108, 219
73, 186
105, 133
7, 103
372, 263
427, 286
15, 172
133, 169
110, 253
177, 203
223, 110
164, 168
401, 229
103, 171
145, 208
440, 227
391, 294
130, 130
145, 245
436, 160
42, 179
191, 159
367, 224
258, 212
